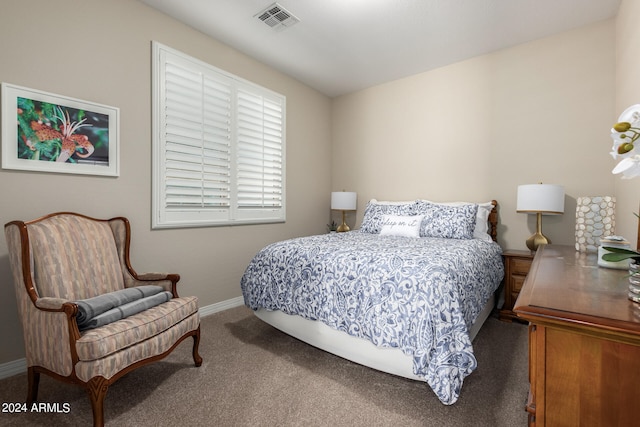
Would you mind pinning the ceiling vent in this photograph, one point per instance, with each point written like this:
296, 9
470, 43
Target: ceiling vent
277, 17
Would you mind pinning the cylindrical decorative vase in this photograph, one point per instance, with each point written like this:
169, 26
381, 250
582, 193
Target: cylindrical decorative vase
634, 282
595, 219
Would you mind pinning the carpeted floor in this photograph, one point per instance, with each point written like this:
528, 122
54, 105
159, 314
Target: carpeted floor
254, 375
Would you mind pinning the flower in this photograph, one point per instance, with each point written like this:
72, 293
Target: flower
629, 167
625, 133
69, 139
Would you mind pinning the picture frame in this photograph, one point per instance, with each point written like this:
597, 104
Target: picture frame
45, 132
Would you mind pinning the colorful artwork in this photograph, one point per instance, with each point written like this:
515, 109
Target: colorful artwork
53, 133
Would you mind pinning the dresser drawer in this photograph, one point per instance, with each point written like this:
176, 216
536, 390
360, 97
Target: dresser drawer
516, 282
520, 266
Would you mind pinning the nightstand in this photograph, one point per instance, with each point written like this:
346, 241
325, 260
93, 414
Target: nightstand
516, 268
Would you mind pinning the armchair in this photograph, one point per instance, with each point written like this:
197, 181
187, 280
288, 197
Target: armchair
65, 257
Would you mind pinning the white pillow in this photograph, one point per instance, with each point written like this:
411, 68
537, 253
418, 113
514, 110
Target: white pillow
375, 211
400, 225
482, 221
391, 202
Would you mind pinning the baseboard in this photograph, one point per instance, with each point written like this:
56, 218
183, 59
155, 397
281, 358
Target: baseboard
221, 306
10, 369
19, 366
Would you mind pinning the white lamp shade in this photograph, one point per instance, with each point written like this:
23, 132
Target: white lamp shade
543, 198
344, 200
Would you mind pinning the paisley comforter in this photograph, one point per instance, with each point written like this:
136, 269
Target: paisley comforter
417, 294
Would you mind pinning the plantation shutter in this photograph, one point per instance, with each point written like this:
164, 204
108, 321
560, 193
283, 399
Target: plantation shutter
260, 154
197, 145
219, 144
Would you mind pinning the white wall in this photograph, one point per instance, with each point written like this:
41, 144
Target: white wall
475, 130
101, 51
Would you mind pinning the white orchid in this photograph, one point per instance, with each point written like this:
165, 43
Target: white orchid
625, 133
618, 140
629, 167
631, 115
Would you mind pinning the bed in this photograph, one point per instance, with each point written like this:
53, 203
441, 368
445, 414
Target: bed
404, 294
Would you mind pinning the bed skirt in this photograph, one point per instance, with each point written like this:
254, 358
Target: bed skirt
358, 350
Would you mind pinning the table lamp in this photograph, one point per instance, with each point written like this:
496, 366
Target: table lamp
540, 199
343, 201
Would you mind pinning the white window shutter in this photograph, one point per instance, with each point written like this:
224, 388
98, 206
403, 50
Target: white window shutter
197, 139
260, 151
219, 146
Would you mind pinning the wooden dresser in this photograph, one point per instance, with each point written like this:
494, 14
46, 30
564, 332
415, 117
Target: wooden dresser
584, 341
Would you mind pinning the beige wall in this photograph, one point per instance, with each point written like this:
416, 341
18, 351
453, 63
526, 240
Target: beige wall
627, 93
475, 130
101, 51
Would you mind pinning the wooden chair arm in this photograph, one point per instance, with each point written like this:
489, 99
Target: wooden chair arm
51, 304
155, 278
158, 276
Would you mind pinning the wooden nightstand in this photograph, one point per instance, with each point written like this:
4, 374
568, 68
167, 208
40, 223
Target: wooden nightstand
516, 268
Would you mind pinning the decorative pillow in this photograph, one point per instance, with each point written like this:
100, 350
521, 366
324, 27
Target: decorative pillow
397, 225
446, 221
375, 211
481, 229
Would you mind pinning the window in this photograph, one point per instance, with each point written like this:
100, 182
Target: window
218, 146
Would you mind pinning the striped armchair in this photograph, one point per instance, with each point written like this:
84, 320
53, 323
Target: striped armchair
62, 259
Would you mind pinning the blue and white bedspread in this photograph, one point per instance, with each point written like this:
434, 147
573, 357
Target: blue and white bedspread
417, 294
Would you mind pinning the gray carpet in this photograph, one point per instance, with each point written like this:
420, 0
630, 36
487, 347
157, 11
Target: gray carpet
254, 375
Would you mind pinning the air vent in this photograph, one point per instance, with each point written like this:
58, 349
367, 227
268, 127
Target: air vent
277, 17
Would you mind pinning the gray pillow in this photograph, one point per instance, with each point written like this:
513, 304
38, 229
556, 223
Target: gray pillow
448, 222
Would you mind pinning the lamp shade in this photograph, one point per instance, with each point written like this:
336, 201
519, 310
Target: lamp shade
344, 200
544, 198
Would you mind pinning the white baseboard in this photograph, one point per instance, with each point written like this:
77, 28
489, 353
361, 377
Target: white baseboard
19, 366
221, 306
10, 369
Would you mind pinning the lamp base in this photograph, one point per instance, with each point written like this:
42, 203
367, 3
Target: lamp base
343, 227
536, 240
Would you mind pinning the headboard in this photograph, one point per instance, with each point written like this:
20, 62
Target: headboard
493, 221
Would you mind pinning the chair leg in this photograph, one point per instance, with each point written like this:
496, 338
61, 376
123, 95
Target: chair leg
33, 379
97, 388
196, 343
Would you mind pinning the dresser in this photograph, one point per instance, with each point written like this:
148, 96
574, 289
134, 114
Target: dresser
584, 341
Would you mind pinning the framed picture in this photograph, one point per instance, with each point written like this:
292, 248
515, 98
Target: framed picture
45, 132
